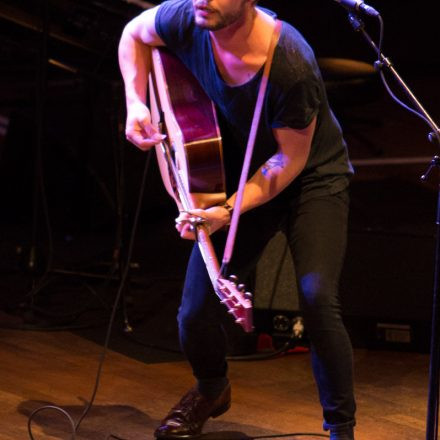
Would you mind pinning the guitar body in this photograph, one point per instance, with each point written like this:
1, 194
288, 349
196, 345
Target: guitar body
191, 165
190, 124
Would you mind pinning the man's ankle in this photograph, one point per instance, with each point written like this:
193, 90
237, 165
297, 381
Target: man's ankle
212, 388
342, 433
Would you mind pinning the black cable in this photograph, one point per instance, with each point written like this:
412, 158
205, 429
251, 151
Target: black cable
54, 408
75, 426
121, 288
399, 101
290, 343
379, 65
293, 434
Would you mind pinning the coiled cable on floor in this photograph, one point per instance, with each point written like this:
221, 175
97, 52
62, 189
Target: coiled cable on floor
75, 425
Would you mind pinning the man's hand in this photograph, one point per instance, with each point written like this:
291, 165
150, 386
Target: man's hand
212, 218
139, 130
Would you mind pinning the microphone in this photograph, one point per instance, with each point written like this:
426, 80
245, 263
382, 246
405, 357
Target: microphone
357, 6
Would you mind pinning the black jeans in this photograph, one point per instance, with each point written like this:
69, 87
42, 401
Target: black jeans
316, 229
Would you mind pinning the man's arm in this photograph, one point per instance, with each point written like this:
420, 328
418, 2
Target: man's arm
280, 169
269, 180
135, 63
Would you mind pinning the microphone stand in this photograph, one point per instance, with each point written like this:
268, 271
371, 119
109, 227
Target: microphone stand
434, 135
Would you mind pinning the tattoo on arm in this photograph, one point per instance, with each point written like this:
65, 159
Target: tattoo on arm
276, 161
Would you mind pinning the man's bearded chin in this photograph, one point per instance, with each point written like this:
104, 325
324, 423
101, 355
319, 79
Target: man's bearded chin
220, 21
212, 25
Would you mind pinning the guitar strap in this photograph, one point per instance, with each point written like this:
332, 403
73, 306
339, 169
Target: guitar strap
230, 241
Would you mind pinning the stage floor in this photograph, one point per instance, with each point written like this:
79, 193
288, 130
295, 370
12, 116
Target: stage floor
270, 397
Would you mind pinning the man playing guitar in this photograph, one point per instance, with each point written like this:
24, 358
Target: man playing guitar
298, 184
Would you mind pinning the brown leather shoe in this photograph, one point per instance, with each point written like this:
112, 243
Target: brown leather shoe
186, 419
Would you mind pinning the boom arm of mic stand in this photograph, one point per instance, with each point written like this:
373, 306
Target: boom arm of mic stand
434, 365
358, 26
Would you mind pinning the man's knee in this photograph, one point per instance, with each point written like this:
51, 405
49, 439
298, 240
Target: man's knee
317, 291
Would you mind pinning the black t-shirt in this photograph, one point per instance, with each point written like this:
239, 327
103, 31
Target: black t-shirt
295, 94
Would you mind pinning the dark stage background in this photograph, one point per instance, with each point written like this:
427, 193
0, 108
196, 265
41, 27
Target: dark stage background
69, 183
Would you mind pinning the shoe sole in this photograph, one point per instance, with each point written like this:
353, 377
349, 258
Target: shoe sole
166, 437
218, 412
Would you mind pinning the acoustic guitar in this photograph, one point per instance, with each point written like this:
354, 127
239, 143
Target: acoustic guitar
191, 163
